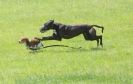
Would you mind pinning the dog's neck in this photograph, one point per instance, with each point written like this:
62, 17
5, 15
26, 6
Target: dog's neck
56, 26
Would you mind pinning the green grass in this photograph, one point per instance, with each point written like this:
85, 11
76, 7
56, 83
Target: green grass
112, 64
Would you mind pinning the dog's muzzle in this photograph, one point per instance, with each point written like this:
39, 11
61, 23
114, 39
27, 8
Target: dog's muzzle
42, 30
20, 41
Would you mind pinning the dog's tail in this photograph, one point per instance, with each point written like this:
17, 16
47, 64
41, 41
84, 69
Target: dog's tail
98, 27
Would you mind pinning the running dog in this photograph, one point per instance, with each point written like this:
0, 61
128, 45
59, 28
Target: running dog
62, 31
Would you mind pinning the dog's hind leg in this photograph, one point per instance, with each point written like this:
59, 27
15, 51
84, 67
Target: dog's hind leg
93, 37
97, 42
87, 36
99, 37
101, 40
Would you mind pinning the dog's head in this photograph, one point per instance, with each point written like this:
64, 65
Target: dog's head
47, 26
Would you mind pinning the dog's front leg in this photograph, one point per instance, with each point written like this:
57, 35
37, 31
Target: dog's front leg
54, 37
47, 38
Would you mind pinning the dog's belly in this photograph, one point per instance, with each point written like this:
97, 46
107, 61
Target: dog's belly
39, 45
70, 36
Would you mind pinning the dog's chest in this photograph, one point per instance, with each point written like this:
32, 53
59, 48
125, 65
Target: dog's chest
36, 46
62, 30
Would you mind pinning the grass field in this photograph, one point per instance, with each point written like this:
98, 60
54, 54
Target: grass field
112, 64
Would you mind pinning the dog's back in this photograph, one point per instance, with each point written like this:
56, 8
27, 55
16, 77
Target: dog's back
34, 41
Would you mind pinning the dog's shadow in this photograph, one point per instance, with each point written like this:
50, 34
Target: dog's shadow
98, 49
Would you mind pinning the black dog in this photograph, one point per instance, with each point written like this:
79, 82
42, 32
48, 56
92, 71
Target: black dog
69, 31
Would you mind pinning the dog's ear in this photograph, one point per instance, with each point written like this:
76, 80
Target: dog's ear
52, 21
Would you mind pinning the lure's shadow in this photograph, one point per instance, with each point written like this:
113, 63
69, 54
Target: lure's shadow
62, 46
72, 49
50, 46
